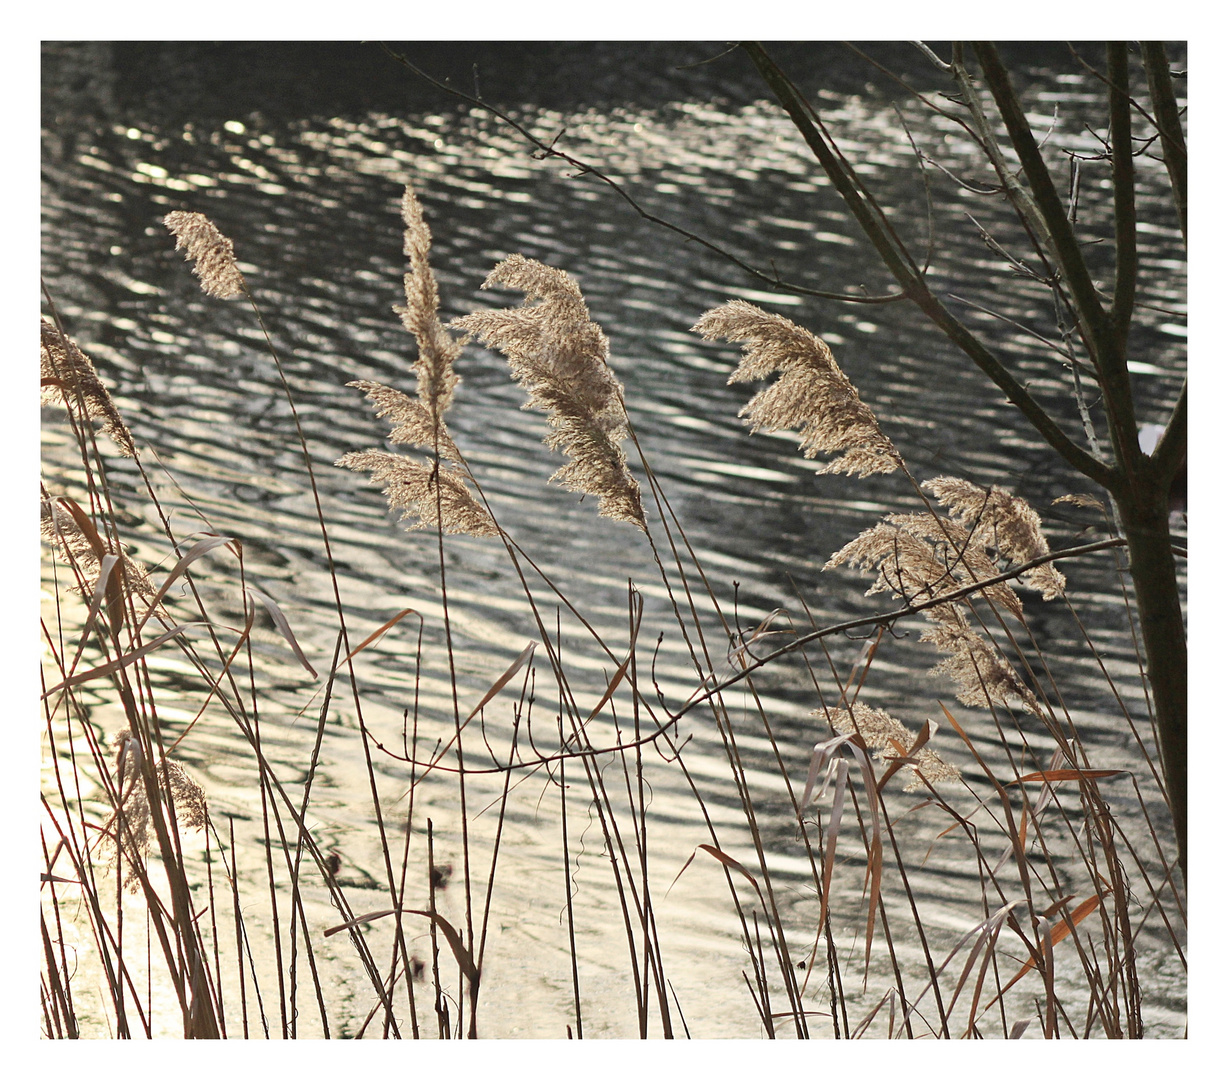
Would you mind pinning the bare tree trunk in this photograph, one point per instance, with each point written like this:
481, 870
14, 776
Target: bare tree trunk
1154, 573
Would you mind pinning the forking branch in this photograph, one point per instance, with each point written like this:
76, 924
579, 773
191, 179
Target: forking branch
1139, 483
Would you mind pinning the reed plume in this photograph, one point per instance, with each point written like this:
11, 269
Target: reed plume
981, 674
914, 559
886, 735
433, 493
812, 393
1003, 522
560, 358
438, 351
62, 532
69, 379
211, 253
131, 826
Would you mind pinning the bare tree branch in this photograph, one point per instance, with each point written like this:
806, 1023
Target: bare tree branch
1123, 188
550, 150
1168, 121
905, 272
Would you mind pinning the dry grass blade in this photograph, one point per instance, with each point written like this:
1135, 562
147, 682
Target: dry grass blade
1053, 776
861, 1028
986, 937
874, 874
885, 735
198, 549
116, 665
503, 679
455, 943
610, 688
833, 832
1049, 975
979, 930
906, 757
1058, 934
216, 683
824, 753
1016, 835
373, 637
690, 859
283, 625
84, 524
71, 532
732, 863
101, 587
359, 920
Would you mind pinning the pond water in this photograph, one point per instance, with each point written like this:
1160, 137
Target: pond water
300, 154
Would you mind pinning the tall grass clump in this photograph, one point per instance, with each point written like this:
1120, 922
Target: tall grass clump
142, 874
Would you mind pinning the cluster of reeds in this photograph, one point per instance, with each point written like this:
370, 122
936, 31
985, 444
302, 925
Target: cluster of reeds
1061, 886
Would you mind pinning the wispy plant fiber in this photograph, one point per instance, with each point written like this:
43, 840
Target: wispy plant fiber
1003, 522
132, 821
411, 486
914, 559
438, 351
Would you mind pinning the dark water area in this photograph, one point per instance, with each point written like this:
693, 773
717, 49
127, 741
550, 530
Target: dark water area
300, 153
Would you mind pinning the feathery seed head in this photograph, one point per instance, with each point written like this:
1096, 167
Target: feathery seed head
69, 379
560, 358
1001, 521
414, 424
812, 393
885, 734
437, 350
132, 822
212, 253
1089, 502
432, 492
916, 560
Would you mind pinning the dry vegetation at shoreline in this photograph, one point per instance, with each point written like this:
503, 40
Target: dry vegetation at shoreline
1060, 883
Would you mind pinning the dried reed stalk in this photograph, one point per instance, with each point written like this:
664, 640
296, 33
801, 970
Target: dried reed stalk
433, 493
